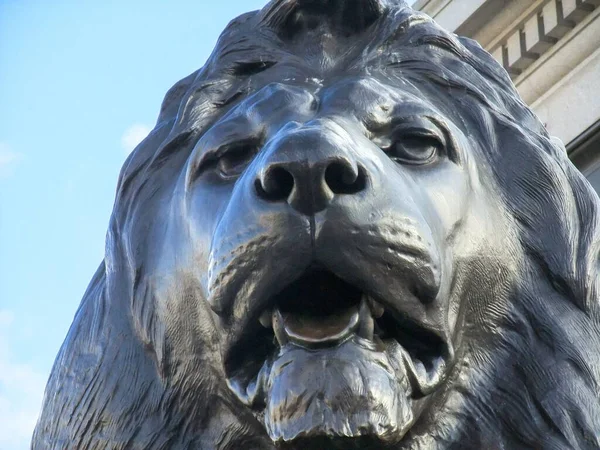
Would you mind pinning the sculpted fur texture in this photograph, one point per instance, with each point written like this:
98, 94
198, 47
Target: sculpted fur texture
345, 231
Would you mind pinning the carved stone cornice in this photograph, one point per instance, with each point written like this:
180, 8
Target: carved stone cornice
536, 31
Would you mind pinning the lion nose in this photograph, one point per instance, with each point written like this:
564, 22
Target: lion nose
309, 185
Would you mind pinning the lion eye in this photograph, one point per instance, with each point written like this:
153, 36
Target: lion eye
414, 149
235, 159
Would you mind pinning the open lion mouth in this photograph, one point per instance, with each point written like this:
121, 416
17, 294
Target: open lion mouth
306, 330
320, 309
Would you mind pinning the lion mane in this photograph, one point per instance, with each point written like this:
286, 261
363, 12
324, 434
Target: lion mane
141, 366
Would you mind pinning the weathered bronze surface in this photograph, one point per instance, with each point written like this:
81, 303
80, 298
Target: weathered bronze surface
345, 231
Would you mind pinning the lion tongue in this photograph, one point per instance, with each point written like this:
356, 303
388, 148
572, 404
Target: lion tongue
317, 331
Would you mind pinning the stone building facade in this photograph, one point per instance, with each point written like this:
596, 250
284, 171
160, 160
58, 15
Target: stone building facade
551, 49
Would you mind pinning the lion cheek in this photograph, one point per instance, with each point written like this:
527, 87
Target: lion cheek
345, 391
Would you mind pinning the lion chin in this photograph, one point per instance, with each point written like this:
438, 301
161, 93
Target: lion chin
347, 391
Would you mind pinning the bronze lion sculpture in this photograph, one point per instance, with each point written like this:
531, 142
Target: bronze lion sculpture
345, 231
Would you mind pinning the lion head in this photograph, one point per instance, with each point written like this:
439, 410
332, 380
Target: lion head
345, 231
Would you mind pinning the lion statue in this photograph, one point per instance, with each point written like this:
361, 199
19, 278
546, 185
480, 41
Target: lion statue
345, 231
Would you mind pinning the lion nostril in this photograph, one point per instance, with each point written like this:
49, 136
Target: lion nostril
276, 185
342, 178
309, 186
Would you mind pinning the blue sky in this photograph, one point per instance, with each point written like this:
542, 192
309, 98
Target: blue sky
81, 82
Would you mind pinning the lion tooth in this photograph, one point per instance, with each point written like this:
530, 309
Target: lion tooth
265, 318
367, 324
279, 328
377, 308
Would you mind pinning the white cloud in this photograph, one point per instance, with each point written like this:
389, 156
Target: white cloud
8, 159
21, 391
133, 136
